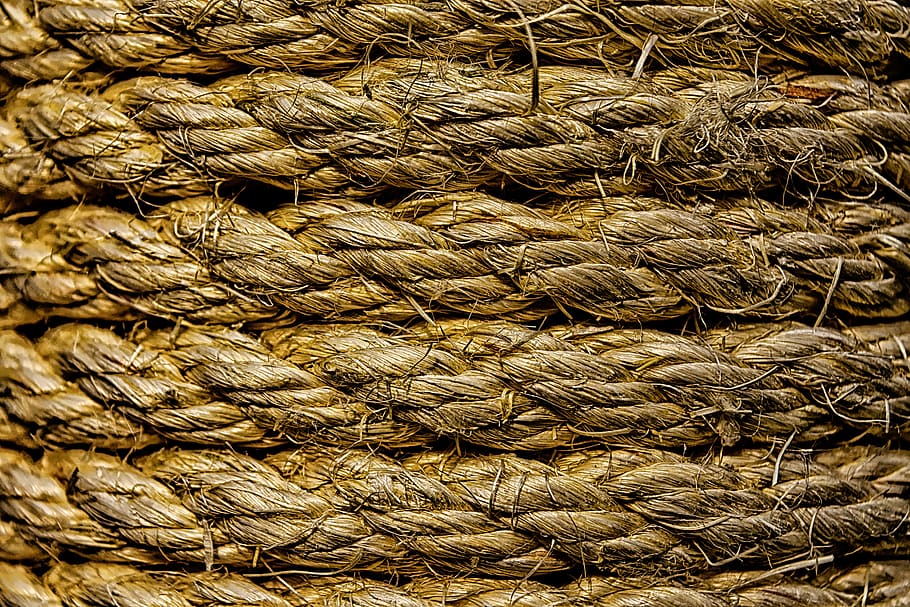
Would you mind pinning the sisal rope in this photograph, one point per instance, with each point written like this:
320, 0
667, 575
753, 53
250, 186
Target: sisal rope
626, 260
495, 385
500, 515
62, 38
499, 339
419, 124
103, 585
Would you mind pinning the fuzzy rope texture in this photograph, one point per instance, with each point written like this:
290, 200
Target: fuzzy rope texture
500, 515
108, 585
496, 385
63, 38
416, 124
626, 260
192, 37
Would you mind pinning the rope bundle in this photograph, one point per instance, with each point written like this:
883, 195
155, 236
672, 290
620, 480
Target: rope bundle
462, 302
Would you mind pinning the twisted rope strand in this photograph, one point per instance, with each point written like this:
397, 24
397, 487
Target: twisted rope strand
493, 515
624, 260
420, 125
95, 262
98, 584
621, 259
497, 385
192, 36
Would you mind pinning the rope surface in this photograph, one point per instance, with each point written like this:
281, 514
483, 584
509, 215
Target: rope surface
400, 303
626, 260
500, 515
100, 585
194, 37
495, 385
420, 124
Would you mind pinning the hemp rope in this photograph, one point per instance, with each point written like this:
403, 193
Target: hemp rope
425, 125
492, 384
109, 585
500, 515
627, 260
193, 36
202, 325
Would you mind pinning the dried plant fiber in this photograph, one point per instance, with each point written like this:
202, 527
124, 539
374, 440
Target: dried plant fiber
434, 511
463, 302
419, 124
622, 259
194, 37
882, 583
491, 384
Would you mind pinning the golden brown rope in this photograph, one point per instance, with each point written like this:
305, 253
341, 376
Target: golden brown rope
626, 260
622, 260
419, 124
61, 38
94, 262
103, 585
501, 515
493, 384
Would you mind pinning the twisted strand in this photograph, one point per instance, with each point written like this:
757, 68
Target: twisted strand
497, 385
68, 39
420, 125
101, 584
494, 515
622, 259
191, 36
94, 262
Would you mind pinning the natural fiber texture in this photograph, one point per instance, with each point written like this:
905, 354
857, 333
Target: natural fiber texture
497, 385
103, 585
90, 262
462, 302
425, 125
629, 260
192, 36
624, 511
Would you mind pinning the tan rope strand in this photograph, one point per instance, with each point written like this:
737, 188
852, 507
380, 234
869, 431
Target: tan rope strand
621, 511
413, 124
94, 262
192, 36
623, 259
492, 384
94, 584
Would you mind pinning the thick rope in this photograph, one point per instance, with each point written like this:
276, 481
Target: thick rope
622, 260
500, 515
94, 262
419, 124
193, 36
627, 260
102, 584
497, 385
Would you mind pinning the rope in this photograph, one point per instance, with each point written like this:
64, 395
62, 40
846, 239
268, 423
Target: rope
419, 124
499, 515
197, 37
626, 260
98, 584
497, 385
